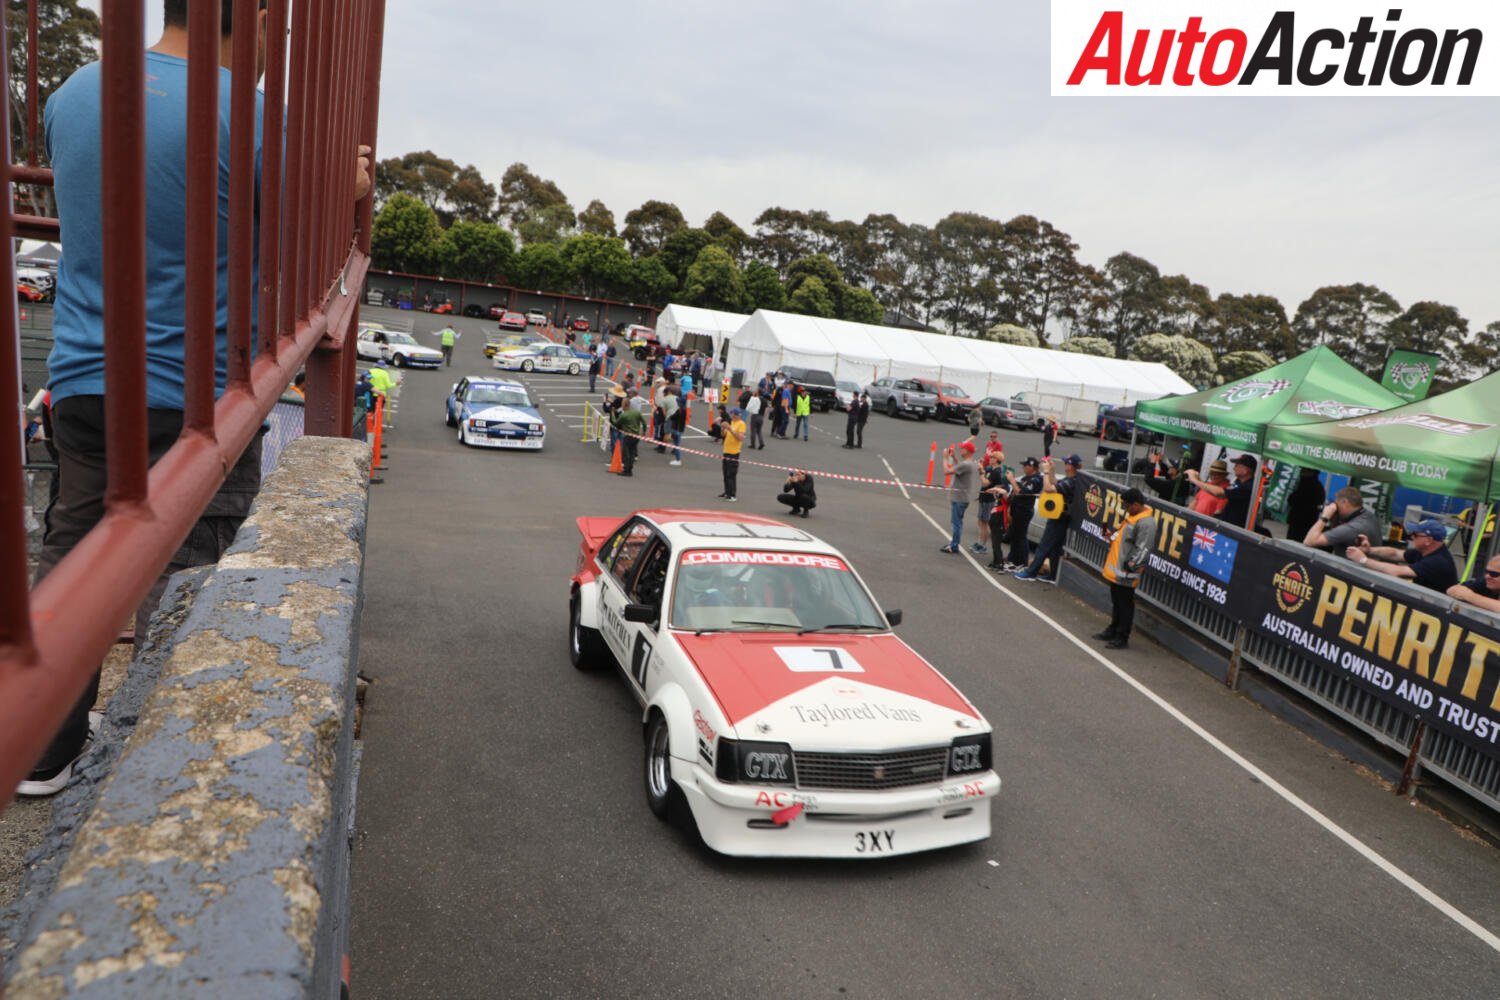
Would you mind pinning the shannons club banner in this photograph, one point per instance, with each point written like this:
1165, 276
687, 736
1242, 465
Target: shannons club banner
1409, 651
1259, 48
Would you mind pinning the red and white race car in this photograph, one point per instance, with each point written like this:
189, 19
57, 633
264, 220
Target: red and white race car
777, 702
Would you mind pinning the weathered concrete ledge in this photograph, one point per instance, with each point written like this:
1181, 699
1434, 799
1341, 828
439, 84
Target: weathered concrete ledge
214, 861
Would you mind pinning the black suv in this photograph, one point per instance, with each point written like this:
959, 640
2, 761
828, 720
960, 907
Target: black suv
818, 383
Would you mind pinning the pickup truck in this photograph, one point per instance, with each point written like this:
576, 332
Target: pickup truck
953, 403
901, 395
820, 385
1074, 416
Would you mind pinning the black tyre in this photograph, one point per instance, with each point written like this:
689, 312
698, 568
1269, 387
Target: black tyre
1111, 433
449, 417
526, 365
399, 361
658, 771
585, 647
640, 354
941, 413
992, 421
922, 416
891, 409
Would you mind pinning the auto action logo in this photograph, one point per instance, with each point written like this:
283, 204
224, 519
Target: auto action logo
1254, 48
1292, 586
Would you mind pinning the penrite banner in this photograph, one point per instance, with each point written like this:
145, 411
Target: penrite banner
1410, 651
1409, 374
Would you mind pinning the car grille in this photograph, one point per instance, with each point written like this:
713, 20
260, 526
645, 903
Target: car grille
871, 771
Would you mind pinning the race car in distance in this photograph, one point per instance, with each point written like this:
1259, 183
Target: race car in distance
376, 343
776, 702
511, 320
506, 341
540, 357
495, 413
580, 324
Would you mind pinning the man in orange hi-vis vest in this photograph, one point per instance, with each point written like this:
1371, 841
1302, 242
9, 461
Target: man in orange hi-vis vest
1129, 547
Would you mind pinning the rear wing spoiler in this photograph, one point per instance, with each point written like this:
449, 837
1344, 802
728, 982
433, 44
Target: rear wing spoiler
596, 529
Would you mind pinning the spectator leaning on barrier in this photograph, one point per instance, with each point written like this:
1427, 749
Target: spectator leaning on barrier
1213, 494
1022, 496
1425, 560
958, 462
1129, 548
76, 364
1237, 495
734, 436
1050, 549
798, 493
1483, 591
1342, 522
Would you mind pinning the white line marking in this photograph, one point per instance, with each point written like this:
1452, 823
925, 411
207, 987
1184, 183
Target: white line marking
896, 478
1422, 892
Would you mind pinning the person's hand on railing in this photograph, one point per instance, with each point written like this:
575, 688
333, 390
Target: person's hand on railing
362, 172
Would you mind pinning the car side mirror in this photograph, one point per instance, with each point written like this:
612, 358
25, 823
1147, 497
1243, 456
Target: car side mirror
643, 613
893, 616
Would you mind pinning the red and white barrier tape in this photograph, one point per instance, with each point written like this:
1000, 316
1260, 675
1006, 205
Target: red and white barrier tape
783, 468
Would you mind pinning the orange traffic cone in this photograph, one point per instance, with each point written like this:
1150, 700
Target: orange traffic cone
615, 463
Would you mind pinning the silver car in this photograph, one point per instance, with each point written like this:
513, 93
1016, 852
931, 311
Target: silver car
1001, 412
901, 395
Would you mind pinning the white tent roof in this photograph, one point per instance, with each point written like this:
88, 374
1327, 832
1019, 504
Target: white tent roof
678, 321
862, 352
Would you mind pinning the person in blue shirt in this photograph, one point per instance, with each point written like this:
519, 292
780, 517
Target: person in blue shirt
76, 364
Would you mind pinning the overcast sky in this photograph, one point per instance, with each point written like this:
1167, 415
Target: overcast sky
924, 108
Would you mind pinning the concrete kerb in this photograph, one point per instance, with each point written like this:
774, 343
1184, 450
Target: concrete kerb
204, 851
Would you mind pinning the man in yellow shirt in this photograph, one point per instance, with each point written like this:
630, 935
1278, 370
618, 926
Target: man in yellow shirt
449, 335
734, 436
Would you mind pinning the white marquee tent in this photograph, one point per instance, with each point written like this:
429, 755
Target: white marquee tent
862, 353
677, 323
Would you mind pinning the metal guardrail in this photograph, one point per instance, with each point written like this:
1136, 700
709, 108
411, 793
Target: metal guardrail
1425, 748
324, 83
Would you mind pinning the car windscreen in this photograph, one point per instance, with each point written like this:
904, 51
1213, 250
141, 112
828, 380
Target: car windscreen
402, 338
487, 396
949, 389
738, 590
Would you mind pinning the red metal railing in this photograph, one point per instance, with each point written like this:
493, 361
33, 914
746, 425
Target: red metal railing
313, 256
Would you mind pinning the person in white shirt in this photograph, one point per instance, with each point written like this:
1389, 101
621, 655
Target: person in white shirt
753, 409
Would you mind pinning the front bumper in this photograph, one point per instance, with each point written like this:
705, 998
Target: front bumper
481, 439
736, 819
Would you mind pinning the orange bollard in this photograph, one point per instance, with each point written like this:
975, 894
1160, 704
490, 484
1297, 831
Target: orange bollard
379, 432
616, 464
931, 463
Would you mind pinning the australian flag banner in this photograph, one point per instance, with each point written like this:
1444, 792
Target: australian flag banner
1213, 553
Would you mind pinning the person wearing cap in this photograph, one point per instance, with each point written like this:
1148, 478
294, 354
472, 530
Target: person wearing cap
958, 462
1130, 546
631, 423
734, 436
1023, 493
1483, 591
1236, 496
1164, 477
1425, 560
1342, 523
1050, 548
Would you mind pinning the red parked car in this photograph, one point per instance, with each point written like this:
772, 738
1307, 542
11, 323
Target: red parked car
952, 402
581, 325
512, 321
497, 311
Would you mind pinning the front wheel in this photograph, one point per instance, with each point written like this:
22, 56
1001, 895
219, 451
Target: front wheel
573, 368
658, 767
400, 360
449, 416
527, 365
463, 436
640, 354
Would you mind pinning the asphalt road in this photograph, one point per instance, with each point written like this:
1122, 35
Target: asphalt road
1156, 836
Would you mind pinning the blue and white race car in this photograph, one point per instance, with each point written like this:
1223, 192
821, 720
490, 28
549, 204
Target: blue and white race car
495, 413
543, 358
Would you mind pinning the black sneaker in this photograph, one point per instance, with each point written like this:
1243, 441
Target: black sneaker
1106, 634
1117, 643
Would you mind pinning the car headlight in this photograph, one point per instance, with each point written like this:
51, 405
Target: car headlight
969, 755
478, 424
755, 763
536, 427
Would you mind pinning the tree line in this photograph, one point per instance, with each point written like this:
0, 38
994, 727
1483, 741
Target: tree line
966, 275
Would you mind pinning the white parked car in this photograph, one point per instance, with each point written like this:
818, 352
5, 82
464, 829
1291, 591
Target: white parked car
848, 392
776, 701
376, 343
541, 358
536, 317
